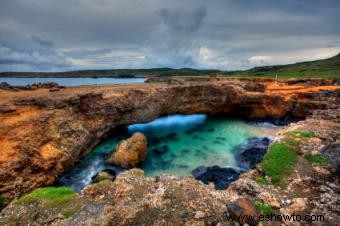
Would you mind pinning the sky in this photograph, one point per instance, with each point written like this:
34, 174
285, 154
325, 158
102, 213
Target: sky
62, 35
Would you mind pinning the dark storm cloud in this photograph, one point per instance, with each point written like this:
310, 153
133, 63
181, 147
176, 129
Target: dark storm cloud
228, 34
183, 21
173, 42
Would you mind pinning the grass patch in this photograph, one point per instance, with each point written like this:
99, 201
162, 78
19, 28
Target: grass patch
302, 133
261, 181
264, 208
279, 162
292, 142
317, 159
50, 196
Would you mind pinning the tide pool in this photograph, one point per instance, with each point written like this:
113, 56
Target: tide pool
177, 144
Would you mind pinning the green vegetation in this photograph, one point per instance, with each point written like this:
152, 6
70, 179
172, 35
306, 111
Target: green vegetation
302, 133
261, 181
50, 196
121, 73
317, 159
279, 162
282, 157
327, 68
264, 208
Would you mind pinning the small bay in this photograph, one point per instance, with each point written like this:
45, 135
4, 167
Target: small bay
177, 144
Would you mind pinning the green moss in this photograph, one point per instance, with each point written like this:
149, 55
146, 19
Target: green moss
293, 143
279, 162
264, 208
302, 133
262, 181
317, 159
50, 196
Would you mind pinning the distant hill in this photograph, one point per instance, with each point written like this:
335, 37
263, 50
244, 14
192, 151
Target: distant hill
326, 68
121, 73
329, 68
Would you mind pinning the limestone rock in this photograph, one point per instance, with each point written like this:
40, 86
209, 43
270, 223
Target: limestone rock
106, 174
241, 207
129, 153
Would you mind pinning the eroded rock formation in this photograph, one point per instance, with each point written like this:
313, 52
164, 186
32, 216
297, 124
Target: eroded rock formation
130, 152
43, 133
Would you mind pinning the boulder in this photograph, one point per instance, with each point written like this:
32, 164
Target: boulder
252, 153
107, 174
243, 207
129, 153
221, 177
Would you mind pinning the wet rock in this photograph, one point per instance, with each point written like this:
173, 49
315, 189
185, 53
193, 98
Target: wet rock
242, 207
221, 177
107, 174
253, 152
129, 153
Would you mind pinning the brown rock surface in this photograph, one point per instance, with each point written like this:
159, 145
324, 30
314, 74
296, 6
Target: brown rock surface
243, 207
43, 133
131, 199
130, 152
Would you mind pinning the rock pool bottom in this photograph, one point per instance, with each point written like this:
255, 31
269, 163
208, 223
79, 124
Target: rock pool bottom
177, 145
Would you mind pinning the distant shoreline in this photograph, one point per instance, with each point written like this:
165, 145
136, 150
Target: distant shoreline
325, 68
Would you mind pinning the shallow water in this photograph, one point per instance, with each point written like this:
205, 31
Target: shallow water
176, 144
70, 81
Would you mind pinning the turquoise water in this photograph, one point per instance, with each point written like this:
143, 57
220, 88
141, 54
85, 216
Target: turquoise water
177, 144
70, 81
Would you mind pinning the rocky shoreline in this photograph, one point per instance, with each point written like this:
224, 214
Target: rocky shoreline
44, 132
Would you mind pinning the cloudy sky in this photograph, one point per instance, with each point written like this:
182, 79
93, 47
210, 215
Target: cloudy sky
50, 35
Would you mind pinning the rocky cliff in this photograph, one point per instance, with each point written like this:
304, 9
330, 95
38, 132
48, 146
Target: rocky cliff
44, 131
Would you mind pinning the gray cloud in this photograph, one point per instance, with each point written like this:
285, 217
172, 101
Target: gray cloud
181, 20
41, 55
42, 42
173, 42
226, 34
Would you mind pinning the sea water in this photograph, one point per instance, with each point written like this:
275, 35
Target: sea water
70, 81
177, 144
